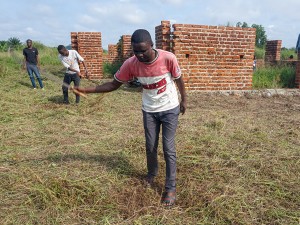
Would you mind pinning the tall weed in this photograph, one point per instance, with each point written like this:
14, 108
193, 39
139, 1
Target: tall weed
274, 77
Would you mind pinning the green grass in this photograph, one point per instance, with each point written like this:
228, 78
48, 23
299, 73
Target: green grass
286, 53
274, 77
238, 158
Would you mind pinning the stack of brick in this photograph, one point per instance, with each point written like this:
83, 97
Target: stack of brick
119, 52
113, 55
273, 51
297, 80
163, 36
89, 46
74, 41
126, 47
214, 57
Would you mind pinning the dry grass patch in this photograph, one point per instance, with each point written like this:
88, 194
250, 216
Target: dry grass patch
238, 159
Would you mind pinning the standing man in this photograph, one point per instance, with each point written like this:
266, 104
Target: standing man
157, 71
31, 62
70, 59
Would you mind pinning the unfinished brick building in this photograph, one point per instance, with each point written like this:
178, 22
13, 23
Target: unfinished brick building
211, 57
119, 52
89, 46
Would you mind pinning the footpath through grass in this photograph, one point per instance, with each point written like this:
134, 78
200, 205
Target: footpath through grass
238, 158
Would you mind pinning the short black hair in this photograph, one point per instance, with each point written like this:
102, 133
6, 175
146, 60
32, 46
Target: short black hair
141, 35
28, 40
60, 47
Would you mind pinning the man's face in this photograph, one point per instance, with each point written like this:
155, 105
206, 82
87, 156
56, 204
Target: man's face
64, 52
143, 51
29, 44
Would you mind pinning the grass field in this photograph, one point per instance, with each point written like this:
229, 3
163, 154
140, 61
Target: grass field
238, 158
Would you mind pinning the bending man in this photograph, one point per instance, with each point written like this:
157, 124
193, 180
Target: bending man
156, 70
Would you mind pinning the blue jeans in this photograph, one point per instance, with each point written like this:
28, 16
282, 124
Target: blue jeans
33, 69
152, 123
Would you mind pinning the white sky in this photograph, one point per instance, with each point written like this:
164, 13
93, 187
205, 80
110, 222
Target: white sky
51, 21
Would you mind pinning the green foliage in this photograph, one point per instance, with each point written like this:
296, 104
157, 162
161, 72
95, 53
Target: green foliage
287, 53
14, 43
244, 24
274, 77
109, 69
259, 53
39, 45
3, 46
261, 37
48, 56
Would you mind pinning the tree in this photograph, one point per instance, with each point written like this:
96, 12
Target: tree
3, 45
245, 25
238, 24
261, 37
14, 42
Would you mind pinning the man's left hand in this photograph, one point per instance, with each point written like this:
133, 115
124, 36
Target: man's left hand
183, 107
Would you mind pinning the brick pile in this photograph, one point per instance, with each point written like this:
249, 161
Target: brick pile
213, 57
89, 46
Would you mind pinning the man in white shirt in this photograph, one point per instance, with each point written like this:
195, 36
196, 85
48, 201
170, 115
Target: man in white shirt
71, 59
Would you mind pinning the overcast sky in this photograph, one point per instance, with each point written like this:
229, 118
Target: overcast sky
51, 21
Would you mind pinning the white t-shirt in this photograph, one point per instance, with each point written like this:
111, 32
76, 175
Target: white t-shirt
71, 61
165, 96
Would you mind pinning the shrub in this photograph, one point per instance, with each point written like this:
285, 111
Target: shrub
274, 77
109, 69
286, 53
259, 53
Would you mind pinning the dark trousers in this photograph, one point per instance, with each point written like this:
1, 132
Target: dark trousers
168, 120
67, 80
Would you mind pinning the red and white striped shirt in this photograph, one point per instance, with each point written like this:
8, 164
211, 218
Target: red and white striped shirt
157, 77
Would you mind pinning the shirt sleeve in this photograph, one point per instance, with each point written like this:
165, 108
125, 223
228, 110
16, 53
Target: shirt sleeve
175, 68
124, 74
36, 52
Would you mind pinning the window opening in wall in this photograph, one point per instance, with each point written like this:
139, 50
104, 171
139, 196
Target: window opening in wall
187, 56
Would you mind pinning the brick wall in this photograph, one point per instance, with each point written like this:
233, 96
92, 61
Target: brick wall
119, 52
89, 46
126, 47
213, 57
273, 51
113, 54
74, 41
297, 80
163, 36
